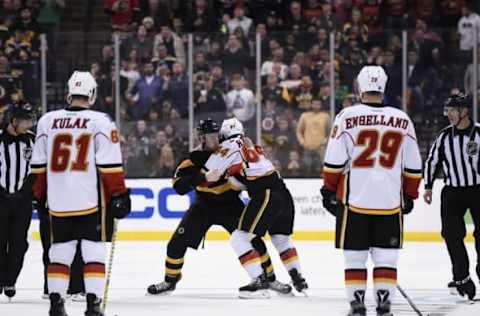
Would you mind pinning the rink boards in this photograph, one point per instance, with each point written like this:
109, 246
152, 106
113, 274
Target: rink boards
157, 210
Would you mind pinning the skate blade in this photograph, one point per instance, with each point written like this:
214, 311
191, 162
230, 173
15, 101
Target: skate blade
289, 294
78, 299
304, 293
453, 291
257, 295
167, 293
45, 297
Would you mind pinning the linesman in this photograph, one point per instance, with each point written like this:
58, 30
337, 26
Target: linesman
456, 151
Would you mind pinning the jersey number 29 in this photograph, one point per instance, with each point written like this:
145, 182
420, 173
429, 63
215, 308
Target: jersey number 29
389, 142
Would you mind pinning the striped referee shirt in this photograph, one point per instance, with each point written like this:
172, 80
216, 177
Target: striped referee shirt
457, 152
15, 154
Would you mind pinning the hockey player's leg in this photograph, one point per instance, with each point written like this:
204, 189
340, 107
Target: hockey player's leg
384, 278
250, 260
267, 266
93, 253
289, 256
176, 250
61, 256
356, 280
475, 213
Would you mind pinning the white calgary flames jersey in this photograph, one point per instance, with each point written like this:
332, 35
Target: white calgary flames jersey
72, 146
238, 154
372, 157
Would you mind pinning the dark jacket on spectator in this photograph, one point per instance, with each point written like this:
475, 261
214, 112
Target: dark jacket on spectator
235, 62
178, 94
147, 92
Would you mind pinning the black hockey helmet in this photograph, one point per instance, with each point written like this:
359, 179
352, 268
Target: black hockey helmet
207, 126
458, 101
22, 111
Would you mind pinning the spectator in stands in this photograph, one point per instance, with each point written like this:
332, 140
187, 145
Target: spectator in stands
123, 14
284, 140
158, 142
26, 23
450, 11
219, 80
209, 101
275, 65
269, 119
140, 42
415, 78
312, 133
393, 90
7, 83
272, 90
355, 27
235, 58
107, 57
328, 20
240, 101
240, 20
129, 73
200, 63
149, 90
325, 94
294, 78
164, 166
294, 165
394, 14
176, 89
350, 68
469, 83
201, 18
172, 42
301, 98
295, 18
466, 29
17, 43
163, 59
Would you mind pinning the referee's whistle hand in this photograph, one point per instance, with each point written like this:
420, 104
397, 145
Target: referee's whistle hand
427, 196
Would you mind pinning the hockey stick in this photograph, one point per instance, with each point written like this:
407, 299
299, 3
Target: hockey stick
110, 264
410, 302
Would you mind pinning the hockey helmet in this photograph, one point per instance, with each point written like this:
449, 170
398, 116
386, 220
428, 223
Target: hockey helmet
372, 79
231, 128
82, 83
207, 126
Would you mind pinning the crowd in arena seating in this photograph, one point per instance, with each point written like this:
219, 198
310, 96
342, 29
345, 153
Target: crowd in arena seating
294, 72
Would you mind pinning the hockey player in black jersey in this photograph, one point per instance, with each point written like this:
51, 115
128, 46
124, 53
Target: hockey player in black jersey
217, 202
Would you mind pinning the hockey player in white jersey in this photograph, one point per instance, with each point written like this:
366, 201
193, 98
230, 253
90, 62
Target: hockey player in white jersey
270, 208
372, 171
78, 166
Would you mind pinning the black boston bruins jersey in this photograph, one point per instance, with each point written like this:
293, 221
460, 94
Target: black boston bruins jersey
190, 175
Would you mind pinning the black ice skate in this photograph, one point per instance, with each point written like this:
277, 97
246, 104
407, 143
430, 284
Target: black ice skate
163, 288
257, 289
298, 281
93, 306
57, 305
464, 287
357, 307
383, 303
9, 291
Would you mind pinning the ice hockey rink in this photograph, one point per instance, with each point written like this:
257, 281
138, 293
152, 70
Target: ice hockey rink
212, 275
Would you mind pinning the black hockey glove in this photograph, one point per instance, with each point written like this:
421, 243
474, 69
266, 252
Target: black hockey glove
120, 204
329, 201
465, 287
407, 204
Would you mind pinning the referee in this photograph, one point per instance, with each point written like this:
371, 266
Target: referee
456, 149
16, 143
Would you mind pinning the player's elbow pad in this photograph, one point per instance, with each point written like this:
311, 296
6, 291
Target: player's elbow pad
120, 204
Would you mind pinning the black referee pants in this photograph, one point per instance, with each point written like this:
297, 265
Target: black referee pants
15, 217
77, 284
455, 202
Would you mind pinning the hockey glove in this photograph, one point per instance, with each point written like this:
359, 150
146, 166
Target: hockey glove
407, 204
465, 287
329, 201
120, 204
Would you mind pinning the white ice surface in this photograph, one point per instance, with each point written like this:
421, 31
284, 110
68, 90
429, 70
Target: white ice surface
212, 275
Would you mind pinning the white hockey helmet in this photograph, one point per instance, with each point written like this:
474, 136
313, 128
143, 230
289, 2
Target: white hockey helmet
82, 83
231, 127
372, 79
